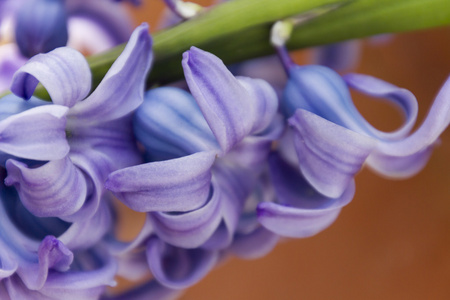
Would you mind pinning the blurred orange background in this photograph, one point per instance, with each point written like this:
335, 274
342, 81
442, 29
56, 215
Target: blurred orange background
393, 240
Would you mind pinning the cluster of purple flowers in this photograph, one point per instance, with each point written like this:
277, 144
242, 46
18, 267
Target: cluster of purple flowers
223, 166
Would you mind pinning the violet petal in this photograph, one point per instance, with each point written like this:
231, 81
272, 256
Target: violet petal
232, 107
115, 97
64, 72
301, 211
190, 229
329, 155
178, 268
56, 189
37, 133
180, 184
169, 124
400, 97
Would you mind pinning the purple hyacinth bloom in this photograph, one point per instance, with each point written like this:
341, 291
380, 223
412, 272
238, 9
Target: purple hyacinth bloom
329, 141
99, 127
37, 265
323, 116
56, 212
206, 150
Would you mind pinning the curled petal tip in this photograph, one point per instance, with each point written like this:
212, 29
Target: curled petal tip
329, 155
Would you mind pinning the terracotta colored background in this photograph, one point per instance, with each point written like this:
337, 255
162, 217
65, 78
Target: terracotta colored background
393, 240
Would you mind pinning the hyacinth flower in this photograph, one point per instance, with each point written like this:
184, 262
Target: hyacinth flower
38, 26
57, 158
329, 142
98, 127
206, 150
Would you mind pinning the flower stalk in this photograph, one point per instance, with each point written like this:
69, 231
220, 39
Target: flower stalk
238, 30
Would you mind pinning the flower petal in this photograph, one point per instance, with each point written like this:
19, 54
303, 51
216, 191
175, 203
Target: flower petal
322, 91
37, 133
8, 264
231, 107
64, 72
86, 232
329, 155
56, 189
190, 229
399, 166
434, 124
180, 184
41, 26
122, 89
235, 185
251, 153
301, 211
402, 98
264, 100
170, 124
405, 157
12, 105
113, 140
178, 268
71, 285
52, 254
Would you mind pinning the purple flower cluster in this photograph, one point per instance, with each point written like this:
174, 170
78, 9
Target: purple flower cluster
227, 166
55, 160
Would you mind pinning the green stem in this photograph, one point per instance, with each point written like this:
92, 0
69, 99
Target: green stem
240, 29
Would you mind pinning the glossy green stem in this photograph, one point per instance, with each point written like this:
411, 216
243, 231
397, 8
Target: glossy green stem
240, 29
